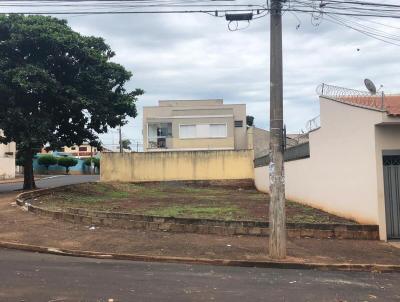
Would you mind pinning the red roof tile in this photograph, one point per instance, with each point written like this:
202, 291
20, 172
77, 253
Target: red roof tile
391, 103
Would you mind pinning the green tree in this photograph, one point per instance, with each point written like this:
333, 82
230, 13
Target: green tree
96, 162
47, 161
126, 144
57, 87
67, 162
19, 159
249, 120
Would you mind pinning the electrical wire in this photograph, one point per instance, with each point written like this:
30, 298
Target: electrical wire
353, 20
354, 14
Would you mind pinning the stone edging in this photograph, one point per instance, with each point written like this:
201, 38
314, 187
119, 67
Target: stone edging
381, 268
192, 225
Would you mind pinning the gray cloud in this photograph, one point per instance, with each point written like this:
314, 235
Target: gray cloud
196, 56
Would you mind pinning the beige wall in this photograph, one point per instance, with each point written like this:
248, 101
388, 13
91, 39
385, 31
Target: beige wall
344, 172
190, 102
7, 168
177, 165
239, 113
261, 142
7, 162
203, 143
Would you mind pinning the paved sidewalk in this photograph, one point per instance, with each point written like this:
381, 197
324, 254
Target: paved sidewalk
51, 182
12, 180
25, 227
20, 178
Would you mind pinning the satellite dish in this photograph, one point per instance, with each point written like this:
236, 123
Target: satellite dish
370, 86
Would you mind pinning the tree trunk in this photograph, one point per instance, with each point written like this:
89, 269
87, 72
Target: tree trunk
29, 180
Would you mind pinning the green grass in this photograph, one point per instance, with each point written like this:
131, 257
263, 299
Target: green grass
226, 213
179, 201
117, 195
85, 194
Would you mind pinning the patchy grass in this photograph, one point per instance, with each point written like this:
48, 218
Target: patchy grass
227, 213
180, 200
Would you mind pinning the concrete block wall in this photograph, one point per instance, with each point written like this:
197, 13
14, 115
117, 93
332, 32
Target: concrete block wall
177, 165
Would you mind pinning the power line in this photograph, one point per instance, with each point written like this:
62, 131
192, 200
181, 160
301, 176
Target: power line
350, 14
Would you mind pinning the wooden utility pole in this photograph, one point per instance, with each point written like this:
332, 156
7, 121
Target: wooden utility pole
277, 216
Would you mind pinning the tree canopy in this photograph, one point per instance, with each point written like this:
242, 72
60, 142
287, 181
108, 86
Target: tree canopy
57, 87
67, 162
126, 144
95, 160
47, 160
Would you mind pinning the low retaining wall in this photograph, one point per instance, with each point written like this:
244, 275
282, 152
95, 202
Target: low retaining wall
200, 226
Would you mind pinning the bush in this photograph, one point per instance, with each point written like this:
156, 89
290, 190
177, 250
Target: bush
47, 161
67, 162
95, 160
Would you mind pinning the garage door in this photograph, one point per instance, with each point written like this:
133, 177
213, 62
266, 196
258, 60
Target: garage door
391, 174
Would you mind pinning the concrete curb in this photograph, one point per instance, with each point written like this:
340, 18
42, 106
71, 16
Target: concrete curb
381, 268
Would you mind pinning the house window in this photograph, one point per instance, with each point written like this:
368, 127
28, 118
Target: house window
238, 124
203, 131
218, 130
82, 149
187, 131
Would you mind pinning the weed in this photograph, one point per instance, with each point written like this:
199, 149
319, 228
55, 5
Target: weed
195, 212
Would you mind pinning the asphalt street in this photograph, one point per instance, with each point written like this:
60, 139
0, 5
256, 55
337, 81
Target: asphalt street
51, 182
32, 277
39, 277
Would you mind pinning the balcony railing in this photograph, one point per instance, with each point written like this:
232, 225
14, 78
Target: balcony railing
157, 142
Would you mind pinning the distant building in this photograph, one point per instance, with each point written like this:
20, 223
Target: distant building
81, 151
7, 160
261, 139
178, 125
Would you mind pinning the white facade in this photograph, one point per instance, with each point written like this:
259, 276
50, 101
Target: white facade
344, 173
7, 161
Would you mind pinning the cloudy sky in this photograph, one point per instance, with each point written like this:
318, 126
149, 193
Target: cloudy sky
195, 56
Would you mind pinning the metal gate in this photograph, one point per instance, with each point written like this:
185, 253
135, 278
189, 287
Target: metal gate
391, 176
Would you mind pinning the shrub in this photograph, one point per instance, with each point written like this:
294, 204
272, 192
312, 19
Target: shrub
47, 161
95, 160
67, 162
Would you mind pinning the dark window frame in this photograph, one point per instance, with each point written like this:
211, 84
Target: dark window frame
238, 124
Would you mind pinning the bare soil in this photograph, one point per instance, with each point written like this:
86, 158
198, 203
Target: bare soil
180, 200
20, 226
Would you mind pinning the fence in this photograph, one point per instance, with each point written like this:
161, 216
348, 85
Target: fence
352, 96
293, 153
